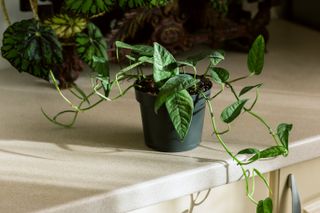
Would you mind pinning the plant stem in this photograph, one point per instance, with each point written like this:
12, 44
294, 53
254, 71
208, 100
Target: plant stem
215, 129
60, 93
218, 93
34, 8
265, 124
97, 15
233, 91
255, 115
238, 79
5, 11
208, 68
255, 100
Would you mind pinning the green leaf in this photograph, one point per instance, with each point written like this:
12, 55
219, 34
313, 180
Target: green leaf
265, 206
142, 50
31, 47
80, 92
88, 7
92, 49
270, 152
255, 59
131, 58
173, 85
180, 109
233, 111
66, 26
283, 134
162, 58
177, 64
105, 82
219, 75
194, 59
248, 88
142, 3
130, 67
216, 57
146, 59
248, 151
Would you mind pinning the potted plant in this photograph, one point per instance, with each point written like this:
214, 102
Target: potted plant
61, 41
171, 92
176, 97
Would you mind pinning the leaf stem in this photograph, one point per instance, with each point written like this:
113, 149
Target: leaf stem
240, 78
54, 120
254, 114
97, 15
5, 11
232, 90
208, 68
255, 100
218, 93
55, 83
215, 129
274, 135
34, 8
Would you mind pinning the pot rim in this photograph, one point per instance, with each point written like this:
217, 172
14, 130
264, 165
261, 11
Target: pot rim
155, 95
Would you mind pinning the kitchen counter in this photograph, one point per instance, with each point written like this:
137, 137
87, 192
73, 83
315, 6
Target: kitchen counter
102, 163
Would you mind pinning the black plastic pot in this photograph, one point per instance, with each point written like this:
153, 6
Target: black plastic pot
159, 132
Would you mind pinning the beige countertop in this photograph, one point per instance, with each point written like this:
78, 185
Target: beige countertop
102, 162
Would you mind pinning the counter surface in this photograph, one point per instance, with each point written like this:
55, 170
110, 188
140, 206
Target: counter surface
102, 163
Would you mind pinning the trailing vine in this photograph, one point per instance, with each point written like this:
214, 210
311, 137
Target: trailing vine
170, 74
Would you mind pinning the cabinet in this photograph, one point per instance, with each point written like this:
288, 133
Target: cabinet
307, 177
222, 199
231, 197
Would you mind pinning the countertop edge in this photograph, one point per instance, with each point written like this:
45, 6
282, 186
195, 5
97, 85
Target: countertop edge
186, 182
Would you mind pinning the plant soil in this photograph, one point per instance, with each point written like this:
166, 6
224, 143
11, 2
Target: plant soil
148, 85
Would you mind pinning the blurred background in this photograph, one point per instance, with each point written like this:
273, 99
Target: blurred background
182, 24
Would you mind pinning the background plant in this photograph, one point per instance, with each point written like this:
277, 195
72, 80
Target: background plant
35, 46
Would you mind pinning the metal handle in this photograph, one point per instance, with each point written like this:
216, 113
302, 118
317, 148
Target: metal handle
296, 204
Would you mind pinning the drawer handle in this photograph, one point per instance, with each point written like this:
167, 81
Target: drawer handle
296, 204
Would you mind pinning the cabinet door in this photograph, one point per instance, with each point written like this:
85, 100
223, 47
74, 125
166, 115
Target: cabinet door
307, 178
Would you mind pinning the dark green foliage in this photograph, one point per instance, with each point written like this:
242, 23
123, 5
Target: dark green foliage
174, 85
141, 3
249, 151
255, 59
216, 57
162, 58
92, 49
233, 111
270, 152
248, 88
89, 7
94, 7
283, 134
142, 50
265, 206
31, 47
220, 5
180, 109
219, 75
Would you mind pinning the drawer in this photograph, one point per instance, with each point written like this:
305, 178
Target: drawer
307, 179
